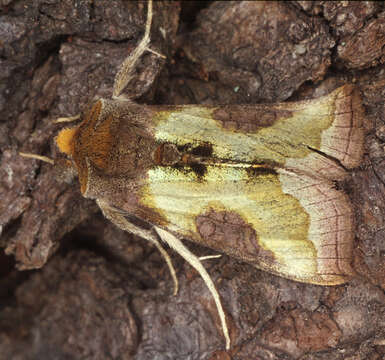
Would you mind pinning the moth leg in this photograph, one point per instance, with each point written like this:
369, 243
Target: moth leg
208, 257
152, 51
124, 74
194, 261
67, 119
37, 157
167, 258
119, 220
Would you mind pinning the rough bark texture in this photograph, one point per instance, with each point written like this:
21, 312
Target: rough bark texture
104, 294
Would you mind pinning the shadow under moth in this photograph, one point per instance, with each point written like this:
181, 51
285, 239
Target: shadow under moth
256, 182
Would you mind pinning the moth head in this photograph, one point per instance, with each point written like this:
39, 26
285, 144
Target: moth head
64, 168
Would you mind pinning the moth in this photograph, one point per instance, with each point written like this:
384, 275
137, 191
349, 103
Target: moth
256, 182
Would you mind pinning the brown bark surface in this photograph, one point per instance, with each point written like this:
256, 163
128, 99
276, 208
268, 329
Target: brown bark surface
74, 286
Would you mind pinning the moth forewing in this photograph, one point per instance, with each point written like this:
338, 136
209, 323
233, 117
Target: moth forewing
262, 192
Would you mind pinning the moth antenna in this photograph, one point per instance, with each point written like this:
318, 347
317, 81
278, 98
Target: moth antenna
67, 119
38, 157
124, 74
195, 262
119, 220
